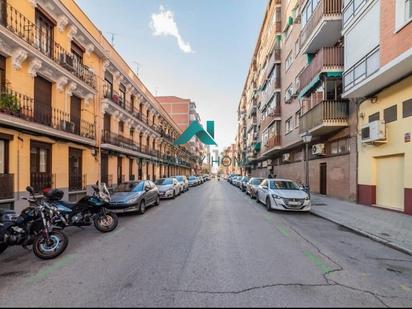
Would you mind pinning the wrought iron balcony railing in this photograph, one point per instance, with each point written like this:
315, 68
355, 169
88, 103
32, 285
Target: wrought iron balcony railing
42, 40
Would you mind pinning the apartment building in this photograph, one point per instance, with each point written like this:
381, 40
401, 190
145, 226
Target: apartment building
378, 68
183, 113
71, 110
229, 160
303, 96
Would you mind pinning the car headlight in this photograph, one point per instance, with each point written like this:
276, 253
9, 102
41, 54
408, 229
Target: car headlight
276, 196
169, 191
133, 200
307, 198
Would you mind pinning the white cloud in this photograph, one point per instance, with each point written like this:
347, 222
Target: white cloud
164, 24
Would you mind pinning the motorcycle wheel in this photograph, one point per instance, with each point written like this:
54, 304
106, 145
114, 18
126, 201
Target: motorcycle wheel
106, 223
3, 248
45, 251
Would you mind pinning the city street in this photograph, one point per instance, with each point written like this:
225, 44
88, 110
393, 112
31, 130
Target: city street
212, 246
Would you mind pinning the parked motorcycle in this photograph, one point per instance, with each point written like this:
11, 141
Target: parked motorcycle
33, 227
89, 210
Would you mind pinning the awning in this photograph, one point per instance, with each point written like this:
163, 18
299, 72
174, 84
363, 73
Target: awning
334, 74
312, 84
257, 146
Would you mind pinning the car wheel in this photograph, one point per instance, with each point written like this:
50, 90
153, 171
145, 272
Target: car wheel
142, 207
268, 204
174, 195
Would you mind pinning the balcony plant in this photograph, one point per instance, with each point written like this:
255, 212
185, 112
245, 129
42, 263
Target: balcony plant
9, 104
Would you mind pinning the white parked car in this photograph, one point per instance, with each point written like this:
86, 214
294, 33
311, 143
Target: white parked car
283, 194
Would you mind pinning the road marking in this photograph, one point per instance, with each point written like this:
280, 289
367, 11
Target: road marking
283, 231
405, 288
44, 272
318, 262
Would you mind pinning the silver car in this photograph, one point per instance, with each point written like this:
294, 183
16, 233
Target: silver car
183, 182
283, 194
168, 187
253, 185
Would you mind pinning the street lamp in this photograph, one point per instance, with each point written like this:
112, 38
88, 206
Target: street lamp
307, 138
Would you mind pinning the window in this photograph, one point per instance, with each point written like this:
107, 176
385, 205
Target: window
44, 33
374, 117
40, 166
108, 85
407, 108
121, 126
403, 13
297, 118
289, 61
390, 114
297, 48
288, 126
2, 72
75, 170
408, 10
77, 52
122, 89
3, 156
340, 147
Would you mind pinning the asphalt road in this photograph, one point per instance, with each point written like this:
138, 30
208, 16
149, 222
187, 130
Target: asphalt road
212, 246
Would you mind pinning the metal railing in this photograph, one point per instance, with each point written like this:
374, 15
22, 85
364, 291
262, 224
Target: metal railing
326, 58
326, 112
325, 8
272, 114
6, 186
119, 140
77, 182
42, 40
351, 9
40, 181
24, 107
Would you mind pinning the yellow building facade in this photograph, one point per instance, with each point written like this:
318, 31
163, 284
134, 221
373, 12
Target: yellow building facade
385, 167
72, 112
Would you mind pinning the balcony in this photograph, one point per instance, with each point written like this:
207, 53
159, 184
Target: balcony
35, 36
325, 117
20, 106
274, 58
273, 114
326, 60
40, 181
323, 27
252, 109
7, 186
119, 140
77, 183
273, 143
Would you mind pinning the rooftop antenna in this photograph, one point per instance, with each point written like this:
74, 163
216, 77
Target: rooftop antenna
112, 37
137, 67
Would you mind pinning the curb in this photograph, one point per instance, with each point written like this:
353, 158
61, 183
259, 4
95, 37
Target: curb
366, 234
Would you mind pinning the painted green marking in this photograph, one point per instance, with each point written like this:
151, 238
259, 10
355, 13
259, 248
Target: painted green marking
43, 273
283, 231
317, 261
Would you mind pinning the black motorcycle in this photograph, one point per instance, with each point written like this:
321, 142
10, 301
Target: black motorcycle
89, 210
33, 227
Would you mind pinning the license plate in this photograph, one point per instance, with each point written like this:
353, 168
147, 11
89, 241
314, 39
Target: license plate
294, 203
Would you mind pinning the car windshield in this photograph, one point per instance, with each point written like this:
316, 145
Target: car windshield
192, 178
166, 181
245, 178
283, 185
257, 181
130, 187
179, 178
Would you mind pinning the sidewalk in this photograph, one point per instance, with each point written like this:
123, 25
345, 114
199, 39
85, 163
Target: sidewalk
388, 227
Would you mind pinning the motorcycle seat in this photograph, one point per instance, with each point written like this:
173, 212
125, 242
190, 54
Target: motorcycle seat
67, 204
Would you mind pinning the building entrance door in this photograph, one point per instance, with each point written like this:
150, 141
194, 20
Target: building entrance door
323, 179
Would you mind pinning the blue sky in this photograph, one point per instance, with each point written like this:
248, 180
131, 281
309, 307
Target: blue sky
217, 39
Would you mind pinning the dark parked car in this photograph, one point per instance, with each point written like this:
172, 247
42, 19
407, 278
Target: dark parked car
253, 185
243, 183
134, 196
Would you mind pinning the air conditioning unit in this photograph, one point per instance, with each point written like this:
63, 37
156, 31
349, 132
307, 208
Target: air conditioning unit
374, 131
286, 157
67, 61
68, 126
319, 149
